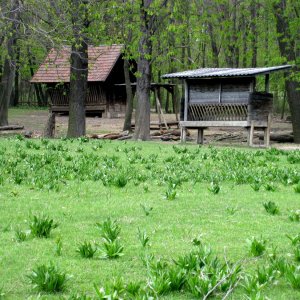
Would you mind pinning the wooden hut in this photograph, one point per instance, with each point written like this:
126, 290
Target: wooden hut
105, 96
226, 97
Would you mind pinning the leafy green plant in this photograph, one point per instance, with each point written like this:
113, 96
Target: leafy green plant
279, 264
143, 238
86, 250
270, 187
177, 277
48, 278
294, 215
20, 235
257, 246
271, 208
296, 251
112, 250
295, 240
214, 187
2, 293
58, 246
171, 193
41, 226
251, 285
121, 179
200, 284
292, 275
231, 210
297, 188
146, 210
110, 230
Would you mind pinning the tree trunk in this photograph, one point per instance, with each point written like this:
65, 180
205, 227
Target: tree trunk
78, 90
79, 70
15, 99
129, 97
254, 16
287, 50
6, 87
7, 80
142, 118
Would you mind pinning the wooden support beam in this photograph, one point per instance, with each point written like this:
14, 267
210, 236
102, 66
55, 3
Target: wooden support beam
186, 99
200, 136
267, 83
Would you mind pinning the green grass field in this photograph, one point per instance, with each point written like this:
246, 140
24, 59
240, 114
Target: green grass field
176, 194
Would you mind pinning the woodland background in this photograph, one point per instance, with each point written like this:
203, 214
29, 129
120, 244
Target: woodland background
163, 36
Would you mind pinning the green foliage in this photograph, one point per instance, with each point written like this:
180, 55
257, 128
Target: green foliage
58, 246
257, 246
214, 187
292, 275
146, 210
271, 208
48, 279
20, 235
109, 229
86, 250
270, 186
171, 193
41, 226
295, 240
143, 238
111, 247
297, 188
294, 215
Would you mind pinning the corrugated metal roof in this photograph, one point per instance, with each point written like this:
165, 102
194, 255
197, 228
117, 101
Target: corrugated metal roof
225, 72
56, 67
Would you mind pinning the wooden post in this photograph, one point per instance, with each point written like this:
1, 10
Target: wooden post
267, 83
49, 131
267, 131
157, 107
200, 137
251, 134
186, 101
159, 110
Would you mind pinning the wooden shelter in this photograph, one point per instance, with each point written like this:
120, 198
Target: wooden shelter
226, 97
105, 72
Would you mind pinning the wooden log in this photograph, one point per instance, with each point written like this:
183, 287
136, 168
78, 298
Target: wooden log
11, 127
278, 137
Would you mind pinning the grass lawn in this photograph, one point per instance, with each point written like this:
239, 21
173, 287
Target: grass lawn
175, 194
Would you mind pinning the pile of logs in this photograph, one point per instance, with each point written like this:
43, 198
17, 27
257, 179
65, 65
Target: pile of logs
164, 135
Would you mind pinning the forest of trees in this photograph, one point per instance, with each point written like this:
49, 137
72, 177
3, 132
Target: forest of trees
163, 36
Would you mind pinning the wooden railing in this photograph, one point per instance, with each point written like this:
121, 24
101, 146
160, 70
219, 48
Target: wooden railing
217, 112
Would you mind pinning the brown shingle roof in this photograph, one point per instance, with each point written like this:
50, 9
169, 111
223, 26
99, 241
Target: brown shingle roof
56, 67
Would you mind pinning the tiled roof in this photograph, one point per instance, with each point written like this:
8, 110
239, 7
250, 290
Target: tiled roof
56, 67
225, 72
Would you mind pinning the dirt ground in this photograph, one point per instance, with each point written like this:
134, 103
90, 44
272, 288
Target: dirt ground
34, 121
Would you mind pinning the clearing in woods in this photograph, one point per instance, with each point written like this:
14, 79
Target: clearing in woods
171, 203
